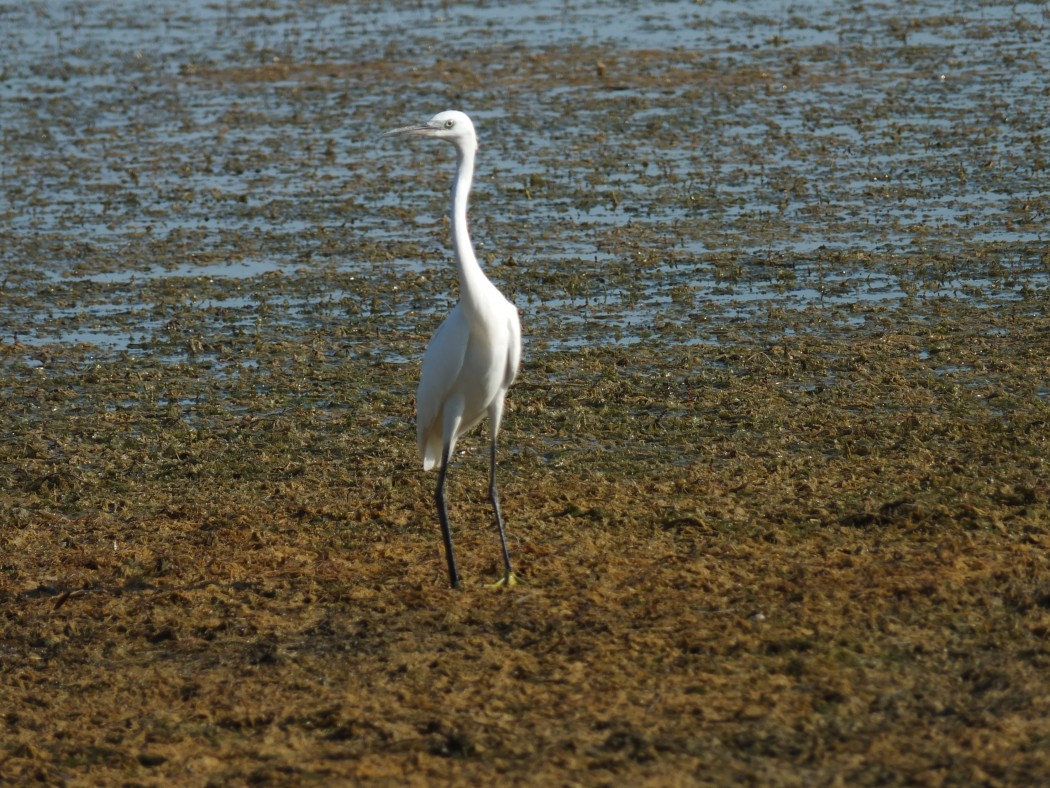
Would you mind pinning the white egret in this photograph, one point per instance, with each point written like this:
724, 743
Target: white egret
473, 357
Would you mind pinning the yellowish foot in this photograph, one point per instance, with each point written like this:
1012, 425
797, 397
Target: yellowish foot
509, 580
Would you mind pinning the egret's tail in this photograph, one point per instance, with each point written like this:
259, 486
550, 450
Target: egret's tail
430, 449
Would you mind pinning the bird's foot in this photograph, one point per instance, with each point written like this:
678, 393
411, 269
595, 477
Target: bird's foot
508, 580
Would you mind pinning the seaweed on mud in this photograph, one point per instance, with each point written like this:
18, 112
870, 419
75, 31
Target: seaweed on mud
774, 474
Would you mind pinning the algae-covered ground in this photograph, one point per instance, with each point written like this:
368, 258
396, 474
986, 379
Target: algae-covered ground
774, 473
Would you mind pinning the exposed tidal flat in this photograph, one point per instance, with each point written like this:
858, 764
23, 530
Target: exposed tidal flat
774, 472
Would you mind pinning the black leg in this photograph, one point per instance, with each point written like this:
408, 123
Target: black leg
494, 497
446, 532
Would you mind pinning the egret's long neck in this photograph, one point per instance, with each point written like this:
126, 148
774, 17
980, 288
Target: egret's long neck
471, 278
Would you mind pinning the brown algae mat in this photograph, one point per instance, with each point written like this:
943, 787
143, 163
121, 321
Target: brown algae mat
774, 474
731, 571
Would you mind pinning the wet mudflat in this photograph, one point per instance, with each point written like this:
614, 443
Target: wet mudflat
775, 471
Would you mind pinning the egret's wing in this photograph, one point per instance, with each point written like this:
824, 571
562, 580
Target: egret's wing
514, 347
442, 363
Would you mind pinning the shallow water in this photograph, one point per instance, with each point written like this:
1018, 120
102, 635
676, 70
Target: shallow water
657, 173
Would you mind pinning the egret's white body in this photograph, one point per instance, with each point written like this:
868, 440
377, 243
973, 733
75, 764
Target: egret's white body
474, 355
468, 366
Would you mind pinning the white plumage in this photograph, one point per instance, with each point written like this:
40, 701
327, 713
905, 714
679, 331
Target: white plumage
474, 355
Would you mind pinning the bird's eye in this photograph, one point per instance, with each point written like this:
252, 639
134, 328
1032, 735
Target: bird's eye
449, 124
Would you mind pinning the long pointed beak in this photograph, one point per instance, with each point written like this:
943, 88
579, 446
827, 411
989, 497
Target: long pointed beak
420, 129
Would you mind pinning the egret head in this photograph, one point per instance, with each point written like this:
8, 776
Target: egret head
452, 126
